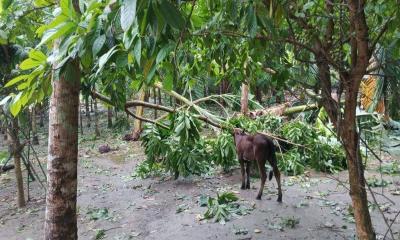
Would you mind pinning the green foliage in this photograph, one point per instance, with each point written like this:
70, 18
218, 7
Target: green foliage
289, 222
98, 213
224, 151
390, 168
292, 162
3, 157
147, 169
221, 208
375, 182
320, 152
121, 124
179, 149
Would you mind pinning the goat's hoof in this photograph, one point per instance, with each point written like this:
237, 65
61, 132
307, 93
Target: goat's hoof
248, 187
279, 199
242, 187
258, 197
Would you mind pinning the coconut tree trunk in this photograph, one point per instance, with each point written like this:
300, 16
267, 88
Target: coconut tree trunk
244, 100
35, 139
60, 219
16, 149
109, 117
96, 119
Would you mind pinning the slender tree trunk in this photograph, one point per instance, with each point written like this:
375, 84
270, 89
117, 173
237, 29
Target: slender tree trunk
96, 119
16, 149
60, 220
87, 112
91, 105
137, 127
109, 117
35, 139
159, 96
258, 94
358, 191
80, 120
42, 112
116, 113
244, 100
155, 102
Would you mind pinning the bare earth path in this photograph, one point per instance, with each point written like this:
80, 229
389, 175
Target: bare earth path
113, 205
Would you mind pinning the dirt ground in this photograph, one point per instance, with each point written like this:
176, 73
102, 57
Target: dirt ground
114, 205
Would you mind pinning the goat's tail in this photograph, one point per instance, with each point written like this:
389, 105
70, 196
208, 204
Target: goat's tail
273, 162
271, 174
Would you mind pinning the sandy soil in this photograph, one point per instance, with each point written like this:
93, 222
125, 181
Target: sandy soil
114, 205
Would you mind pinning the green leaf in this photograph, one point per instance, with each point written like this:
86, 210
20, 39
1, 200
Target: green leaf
37, 55
15, 106
172, 15
29, 64
43, 3
128, 14
137, 50
105, 57
54, 33
98, 44
163, 53
6, 3
5, 100
251, 21
3, 37
168, 83
16, 80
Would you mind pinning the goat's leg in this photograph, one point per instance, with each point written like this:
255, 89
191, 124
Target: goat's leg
278, 181
243, 173
263, 175
248, 166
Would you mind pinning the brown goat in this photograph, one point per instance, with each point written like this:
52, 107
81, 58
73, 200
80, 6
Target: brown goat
257, 148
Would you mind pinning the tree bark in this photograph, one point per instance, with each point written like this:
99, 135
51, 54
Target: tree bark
244, 100
155, 102
96, 119
258, 94
60, 219
35, 139
80, 120
137, 127
109, 117
42, 112
87, 112
358, 194
16, 149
